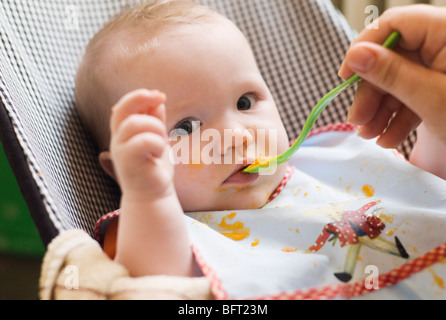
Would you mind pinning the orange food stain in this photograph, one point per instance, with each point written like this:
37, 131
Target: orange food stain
389, 232
289, 249
437, 280
297, 192
261, 161
255, 242
386, 218
235, 231
368, 190
206, 219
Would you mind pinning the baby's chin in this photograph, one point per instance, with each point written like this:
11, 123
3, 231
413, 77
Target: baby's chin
243, 198
245, 204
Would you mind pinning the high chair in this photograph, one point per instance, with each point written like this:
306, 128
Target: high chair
299, 46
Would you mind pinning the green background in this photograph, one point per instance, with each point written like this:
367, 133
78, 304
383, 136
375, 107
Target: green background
21, 249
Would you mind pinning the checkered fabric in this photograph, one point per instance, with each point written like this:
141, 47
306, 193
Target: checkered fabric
299, 46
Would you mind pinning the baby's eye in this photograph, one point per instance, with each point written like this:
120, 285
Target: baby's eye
246, 102
186, 127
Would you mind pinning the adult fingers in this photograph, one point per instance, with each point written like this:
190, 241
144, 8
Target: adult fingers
416, 86
420, 27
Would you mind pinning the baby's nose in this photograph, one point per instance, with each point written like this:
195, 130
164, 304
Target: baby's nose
236, 138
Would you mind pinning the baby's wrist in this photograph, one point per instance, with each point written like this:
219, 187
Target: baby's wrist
148, 196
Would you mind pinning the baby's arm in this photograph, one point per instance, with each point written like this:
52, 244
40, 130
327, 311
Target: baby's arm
152, 236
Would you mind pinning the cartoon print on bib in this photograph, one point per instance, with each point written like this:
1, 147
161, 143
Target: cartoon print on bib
344, 190
357, 228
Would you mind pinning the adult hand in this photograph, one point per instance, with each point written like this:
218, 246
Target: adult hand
404, 87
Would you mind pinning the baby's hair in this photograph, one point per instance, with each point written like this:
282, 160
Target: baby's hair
129, 34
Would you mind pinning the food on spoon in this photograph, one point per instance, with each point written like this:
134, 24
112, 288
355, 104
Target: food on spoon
260, 161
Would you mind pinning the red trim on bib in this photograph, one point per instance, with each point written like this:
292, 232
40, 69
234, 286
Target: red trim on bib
351, 290
332, 291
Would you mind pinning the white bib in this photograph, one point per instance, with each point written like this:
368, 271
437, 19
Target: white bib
353, 219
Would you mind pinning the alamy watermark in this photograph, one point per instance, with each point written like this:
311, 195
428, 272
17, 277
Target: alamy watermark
236, 146
371, 282
72, 280
371, 21
71, 18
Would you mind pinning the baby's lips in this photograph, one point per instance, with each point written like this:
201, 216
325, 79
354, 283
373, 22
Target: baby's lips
246, 161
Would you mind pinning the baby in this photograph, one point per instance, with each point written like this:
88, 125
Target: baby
204, 78
181, 146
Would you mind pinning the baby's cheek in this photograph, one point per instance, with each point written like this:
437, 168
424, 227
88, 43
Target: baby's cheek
193, 183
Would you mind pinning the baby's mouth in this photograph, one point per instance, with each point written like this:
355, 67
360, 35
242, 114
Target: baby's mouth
239, 177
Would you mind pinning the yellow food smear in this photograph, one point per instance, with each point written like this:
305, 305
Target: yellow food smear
289, 249
333, 211
255, 242
386, 218
261, 161
235, 231
437, 280
368, 190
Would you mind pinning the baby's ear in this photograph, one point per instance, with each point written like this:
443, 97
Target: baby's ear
107, 164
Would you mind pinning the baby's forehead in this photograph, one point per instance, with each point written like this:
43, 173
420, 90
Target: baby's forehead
160, 57
137, 40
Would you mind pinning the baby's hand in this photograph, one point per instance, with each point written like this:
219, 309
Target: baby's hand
139, 146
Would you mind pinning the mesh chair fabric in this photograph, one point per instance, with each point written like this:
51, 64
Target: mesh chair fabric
299, 46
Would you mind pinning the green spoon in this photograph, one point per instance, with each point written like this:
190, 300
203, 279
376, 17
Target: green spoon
265, 164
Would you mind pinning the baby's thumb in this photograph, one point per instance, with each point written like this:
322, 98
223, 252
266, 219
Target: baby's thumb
411, 83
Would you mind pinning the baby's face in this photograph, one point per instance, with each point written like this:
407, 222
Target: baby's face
219, 113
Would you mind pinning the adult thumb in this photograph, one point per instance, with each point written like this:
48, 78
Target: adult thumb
419, 88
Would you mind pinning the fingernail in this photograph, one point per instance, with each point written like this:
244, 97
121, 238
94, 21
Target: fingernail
361, 60
156, 92
380, 143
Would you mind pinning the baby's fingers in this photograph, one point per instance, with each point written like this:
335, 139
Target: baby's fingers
140, 101
146, 145
137, 124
